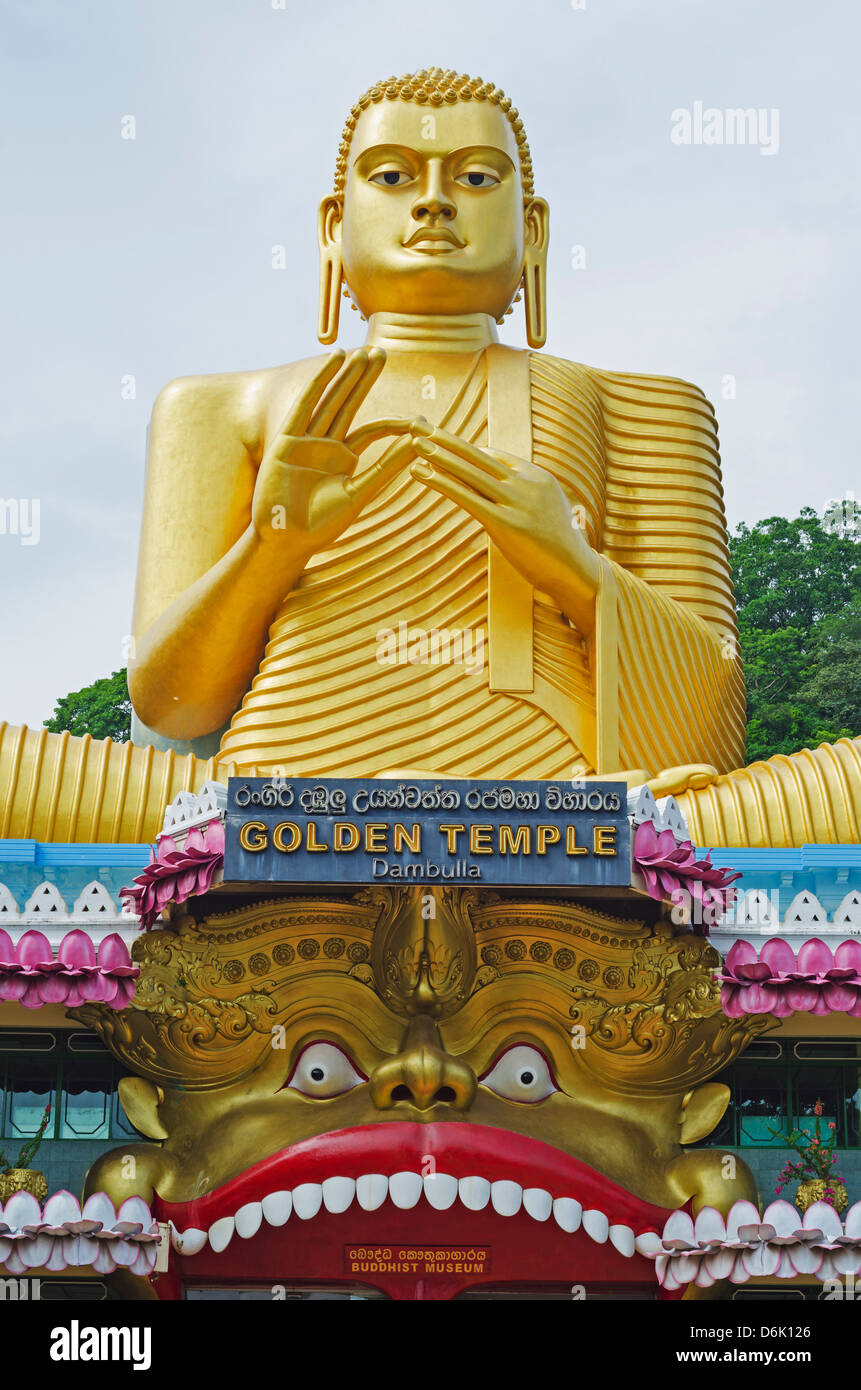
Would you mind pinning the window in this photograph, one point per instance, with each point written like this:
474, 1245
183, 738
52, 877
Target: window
776, 1084
31, 1088
86, 1100
760, 1094
73, 1072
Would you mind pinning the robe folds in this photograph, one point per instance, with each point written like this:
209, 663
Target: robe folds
413, 643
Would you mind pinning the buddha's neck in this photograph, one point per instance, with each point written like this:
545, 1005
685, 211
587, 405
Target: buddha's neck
431, 332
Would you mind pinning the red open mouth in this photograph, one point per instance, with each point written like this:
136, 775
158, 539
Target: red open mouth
402, 1205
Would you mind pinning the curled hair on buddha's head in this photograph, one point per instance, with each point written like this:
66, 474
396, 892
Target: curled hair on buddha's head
435, 87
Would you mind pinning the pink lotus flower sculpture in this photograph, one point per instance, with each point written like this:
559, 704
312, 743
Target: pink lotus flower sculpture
62, 1235
775, 982
176, 872
30, 975
669, 867
777, 1245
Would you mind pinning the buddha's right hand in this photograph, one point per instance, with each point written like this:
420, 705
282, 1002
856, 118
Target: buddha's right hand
305, 494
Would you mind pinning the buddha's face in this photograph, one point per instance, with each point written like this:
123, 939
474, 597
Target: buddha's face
433, 218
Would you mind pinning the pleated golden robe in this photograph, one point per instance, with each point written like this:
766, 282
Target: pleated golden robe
658, 683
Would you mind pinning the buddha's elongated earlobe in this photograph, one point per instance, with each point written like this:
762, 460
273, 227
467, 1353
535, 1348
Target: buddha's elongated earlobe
537, 219
331, 272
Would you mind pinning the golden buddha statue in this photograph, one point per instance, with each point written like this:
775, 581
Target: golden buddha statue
436, 479
438, 553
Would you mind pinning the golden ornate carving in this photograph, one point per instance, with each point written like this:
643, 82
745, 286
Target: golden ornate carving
647, 1000
23, 1180
814, 1191
423, 991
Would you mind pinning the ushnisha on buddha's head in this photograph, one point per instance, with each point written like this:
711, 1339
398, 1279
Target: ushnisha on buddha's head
433, 210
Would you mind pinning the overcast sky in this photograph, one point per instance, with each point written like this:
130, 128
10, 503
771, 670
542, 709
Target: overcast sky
152, 258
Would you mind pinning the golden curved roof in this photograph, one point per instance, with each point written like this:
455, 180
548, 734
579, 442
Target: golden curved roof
807, 798
60, 788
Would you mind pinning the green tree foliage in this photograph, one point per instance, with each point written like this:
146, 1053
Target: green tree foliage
102, 709
798, 589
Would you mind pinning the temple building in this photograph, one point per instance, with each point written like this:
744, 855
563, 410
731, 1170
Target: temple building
428, 939
65, 927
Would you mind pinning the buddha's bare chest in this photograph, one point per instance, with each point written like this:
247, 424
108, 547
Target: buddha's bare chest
410, 385
414, 386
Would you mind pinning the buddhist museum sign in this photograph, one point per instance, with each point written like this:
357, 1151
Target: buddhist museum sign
351, 830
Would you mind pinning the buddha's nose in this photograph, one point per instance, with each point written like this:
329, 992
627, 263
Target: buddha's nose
423, 1073
433, 201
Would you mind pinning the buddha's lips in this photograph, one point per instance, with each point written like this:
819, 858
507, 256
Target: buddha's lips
458, 1150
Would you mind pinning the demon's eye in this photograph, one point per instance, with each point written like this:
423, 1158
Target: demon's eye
323, 1070
521, 1073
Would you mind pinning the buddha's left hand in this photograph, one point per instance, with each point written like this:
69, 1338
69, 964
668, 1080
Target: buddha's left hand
524, 511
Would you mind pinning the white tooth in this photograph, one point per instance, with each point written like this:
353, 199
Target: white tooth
538, 1203
623, 1239
221, 1233
189, 1242
506, 1197
277, 1208
596, 1225
649, 1243
338, 1193
474, 1192
371, 1190
567, 1213
248, 1220
405, 1189
307, 1200
440, 1190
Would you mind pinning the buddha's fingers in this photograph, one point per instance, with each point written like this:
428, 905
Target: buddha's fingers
484, 511
298, 416
338, 394
343, 417
358, 440
470, 452
374, 479
450, 465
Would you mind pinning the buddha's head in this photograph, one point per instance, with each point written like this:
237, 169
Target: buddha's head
549, 1049
433, 210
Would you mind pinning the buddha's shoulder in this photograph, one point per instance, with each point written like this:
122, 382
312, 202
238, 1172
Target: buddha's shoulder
616, 392
242, 400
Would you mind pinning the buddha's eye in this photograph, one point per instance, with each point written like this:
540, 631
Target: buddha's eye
322, 1070
477, 178
391, 178
521, 1073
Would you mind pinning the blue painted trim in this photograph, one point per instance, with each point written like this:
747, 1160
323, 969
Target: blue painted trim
18, 851
35, 852
92, 854
789, 860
